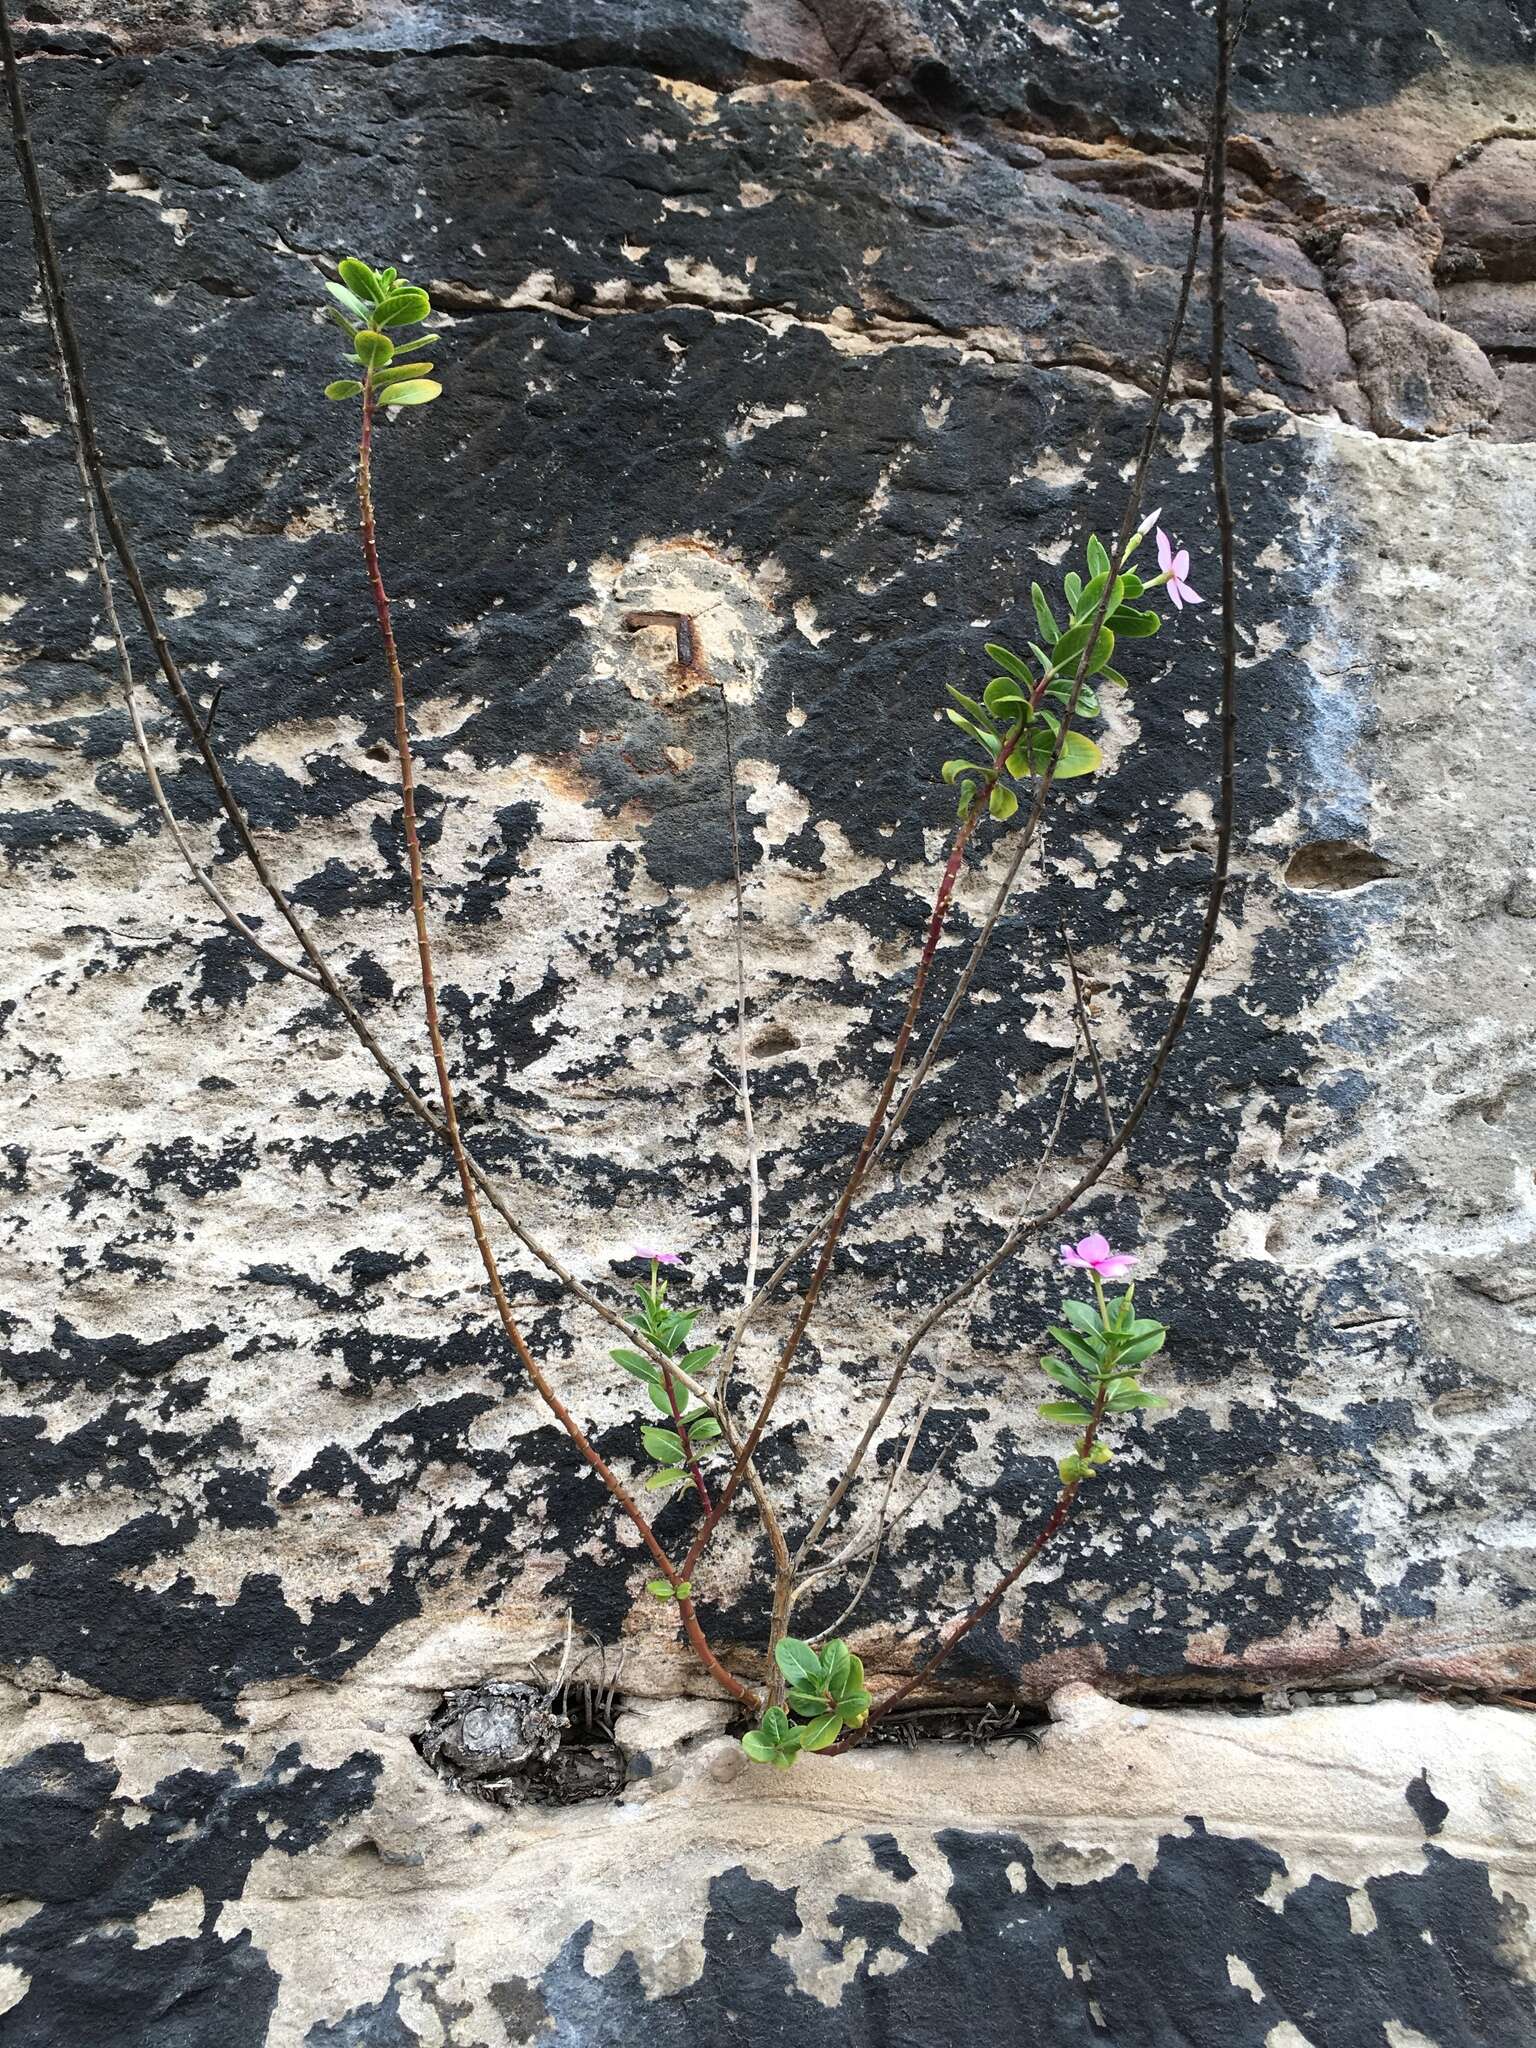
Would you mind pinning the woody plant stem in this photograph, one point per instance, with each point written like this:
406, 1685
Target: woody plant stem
509, 1323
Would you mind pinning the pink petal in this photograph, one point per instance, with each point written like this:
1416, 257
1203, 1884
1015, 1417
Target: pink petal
1164, 551
1116, 1266
1191, 596
1175, 592
1094, 1248
1181, 565
1069, 1257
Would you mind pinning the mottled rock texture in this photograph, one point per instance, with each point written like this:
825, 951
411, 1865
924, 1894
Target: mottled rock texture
825, 324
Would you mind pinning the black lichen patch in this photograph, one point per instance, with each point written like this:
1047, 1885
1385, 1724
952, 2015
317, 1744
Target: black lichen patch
1431, 1813
1123, 1959
89, 1861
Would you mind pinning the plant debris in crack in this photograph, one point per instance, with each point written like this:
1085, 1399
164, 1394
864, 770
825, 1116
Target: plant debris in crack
506, 1742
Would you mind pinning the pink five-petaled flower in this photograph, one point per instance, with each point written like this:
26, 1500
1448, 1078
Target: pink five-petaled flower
1094, 1253
1176, 567
645, 1251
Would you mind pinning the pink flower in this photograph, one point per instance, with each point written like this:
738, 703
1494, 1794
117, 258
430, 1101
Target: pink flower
1176, 567
1094, 1253
644, 1251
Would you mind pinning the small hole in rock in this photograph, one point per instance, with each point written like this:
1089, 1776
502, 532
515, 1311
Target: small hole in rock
1336, 864
774, 1038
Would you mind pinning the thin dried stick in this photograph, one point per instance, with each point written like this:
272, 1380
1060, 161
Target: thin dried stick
839, 1214
428, 978
749, 1132
904, 1356
1085, 1027
978, 1614
886, 1525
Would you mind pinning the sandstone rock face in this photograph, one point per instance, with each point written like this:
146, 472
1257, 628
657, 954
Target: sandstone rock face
823, 326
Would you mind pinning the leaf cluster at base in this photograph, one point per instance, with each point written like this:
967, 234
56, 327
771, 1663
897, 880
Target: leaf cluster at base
827, 1696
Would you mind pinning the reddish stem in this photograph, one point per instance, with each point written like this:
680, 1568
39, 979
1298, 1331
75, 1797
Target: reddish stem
509, 1323
689, 1458
941, 902
983, 1608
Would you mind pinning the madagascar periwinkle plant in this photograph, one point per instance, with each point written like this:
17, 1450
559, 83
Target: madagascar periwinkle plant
1022, 724
699, 1443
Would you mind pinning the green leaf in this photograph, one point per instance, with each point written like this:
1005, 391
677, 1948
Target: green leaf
1058, 1370
1133, 583
837, 1663
1098, 559
349, 302
360, 278
659, 1399
808, 1700
1133, 625
664, 1445
1010, 663
1002, 803
1070, 1342
632, 1362
1066, 1411
696, 1360
372, 348
410, 348
403, 306
823, 1733
1004, 697
798, 1661
1045, 618
1087, 705
763, 1750
1072, 584
952, 769
704, 1432
1073, 1468
421, 393
1125, 1398
1074, 640
854, 1708
684, 1589
672, 1475
660, 1588
848, 1680
1079, 756
344, 387
1088, 603
1141, 1347
775, 1725
1113, 675
967, 704
976, 730
1084, 1316
392, 372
